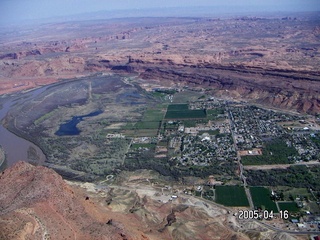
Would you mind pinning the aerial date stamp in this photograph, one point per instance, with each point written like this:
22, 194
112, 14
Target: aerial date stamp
261, 214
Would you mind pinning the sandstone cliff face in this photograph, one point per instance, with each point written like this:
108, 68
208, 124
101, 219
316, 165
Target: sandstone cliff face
287, 89
279, 86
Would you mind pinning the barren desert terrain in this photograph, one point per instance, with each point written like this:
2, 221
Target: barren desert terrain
270, 60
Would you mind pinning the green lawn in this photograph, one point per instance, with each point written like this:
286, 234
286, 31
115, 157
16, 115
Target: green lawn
234, 196
290, 206
261, 198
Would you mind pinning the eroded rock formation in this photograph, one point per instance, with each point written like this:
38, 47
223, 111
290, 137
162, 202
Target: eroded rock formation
36, 203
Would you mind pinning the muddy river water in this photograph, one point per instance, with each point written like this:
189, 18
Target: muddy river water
16, 148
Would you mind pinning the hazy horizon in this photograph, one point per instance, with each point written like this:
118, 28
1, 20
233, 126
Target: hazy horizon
15, 11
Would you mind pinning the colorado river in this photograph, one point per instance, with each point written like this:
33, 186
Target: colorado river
16, 148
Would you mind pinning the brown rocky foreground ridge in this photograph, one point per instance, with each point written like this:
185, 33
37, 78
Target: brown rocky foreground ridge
36, 203
272, 61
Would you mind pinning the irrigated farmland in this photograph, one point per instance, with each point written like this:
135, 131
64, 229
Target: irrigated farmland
231, 196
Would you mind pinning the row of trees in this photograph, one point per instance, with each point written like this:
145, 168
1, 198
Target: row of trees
294, 176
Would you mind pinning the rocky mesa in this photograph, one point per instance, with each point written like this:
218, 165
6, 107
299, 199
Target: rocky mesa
272, 61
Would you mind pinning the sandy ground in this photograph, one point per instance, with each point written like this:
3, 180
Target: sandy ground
17, 85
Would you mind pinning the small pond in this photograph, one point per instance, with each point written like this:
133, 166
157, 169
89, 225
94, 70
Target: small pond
70, 128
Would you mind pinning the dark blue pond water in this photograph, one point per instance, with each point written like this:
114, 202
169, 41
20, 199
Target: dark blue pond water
70, 128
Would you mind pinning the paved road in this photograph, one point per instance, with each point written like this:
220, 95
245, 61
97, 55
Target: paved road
243, 178
287, 231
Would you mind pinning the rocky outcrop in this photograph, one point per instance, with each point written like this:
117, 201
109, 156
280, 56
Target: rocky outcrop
9, 56
18, 55
36, 203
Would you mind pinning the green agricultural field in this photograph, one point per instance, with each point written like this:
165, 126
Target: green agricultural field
145, 133
261, 198
290, 206
185, 114
182, 111
129, 126
178, 107
151, 119
147, 125
153, 115
233, 196
128, 133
